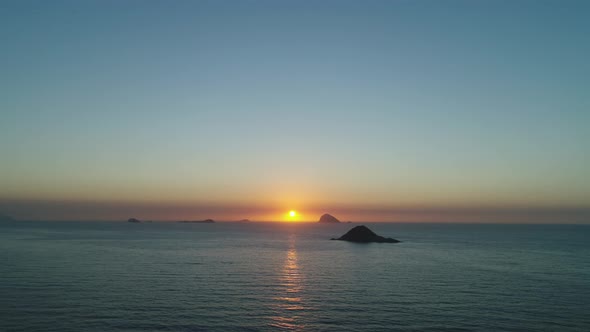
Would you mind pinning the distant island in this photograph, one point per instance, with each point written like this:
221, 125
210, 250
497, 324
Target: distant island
4, 217
363, 234
328, 218
206, 221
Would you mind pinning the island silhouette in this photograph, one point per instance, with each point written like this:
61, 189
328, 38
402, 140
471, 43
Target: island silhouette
328, 218
363, 234
206, 221
4, 217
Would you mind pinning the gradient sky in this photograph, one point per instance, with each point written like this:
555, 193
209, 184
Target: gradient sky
371, 110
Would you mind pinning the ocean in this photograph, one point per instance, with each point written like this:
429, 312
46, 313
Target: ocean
119, 276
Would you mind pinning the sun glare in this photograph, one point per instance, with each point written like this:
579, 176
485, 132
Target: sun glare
291, 216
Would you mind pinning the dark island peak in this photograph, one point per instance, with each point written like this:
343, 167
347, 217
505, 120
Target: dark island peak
4, 217
328, 218
206, 221
365, 235
133, 220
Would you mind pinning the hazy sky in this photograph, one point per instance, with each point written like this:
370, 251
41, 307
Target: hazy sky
373, 110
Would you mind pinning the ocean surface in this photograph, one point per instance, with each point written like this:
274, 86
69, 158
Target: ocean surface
107, 276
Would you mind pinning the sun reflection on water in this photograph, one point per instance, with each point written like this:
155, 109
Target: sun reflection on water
288, 302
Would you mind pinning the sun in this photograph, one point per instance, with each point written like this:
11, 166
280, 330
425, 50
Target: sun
291, 216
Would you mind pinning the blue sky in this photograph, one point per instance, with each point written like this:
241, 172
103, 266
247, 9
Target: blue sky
312, 105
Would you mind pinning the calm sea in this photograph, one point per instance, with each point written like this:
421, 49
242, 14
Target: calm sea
105, 276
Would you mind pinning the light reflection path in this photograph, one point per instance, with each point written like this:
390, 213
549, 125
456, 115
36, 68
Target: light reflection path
288, 303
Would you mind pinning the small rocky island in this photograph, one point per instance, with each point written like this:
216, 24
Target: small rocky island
206, 221
4, 217
364, 235
133, 220
327, 218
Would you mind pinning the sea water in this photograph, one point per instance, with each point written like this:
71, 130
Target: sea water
119, 276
